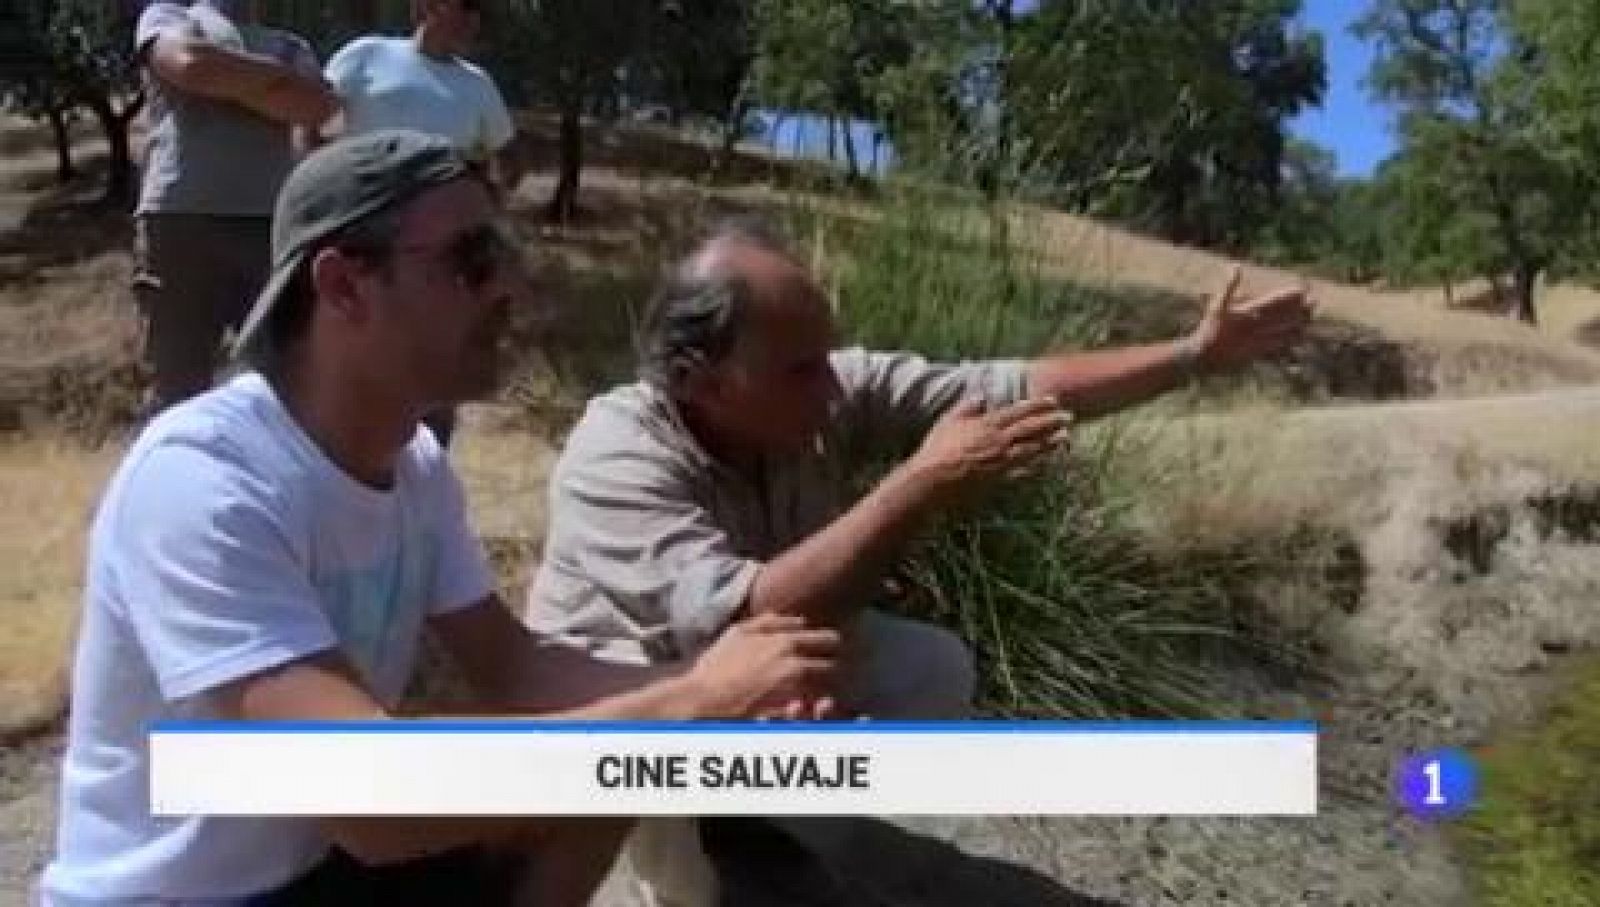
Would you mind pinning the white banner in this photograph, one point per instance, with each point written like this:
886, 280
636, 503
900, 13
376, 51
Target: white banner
573, 768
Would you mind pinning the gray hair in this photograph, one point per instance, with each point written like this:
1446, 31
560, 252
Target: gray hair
695, 317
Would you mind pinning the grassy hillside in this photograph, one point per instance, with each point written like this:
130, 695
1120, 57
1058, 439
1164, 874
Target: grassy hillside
1392, 530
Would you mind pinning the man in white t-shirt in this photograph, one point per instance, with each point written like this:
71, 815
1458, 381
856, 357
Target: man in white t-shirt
274, 548
425, 82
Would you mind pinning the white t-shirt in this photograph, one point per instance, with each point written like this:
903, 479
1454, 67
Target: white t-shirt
387, 83
227, 544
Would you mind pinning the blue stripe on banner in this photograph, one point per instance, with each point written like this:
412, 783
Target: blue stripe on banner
533, 726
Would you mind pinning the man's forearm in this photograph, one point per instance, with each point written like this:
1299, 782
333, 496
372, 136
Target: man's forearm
260, 83
1103, 382
380, 840
295, 100
200, 67
820, 577
557, 682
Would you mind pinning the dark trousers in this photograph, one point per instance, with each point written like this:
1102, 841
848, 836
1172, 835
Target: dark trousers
469, 876
195, 278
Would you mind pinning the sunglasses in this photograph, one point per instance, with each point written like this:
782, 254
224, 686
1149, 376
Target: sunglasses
476, 256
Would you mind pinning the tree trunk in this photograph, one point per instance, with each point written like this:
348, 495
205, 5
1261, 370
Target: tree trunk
732, 130
854, 172
995, 176
564, 203
1525, 281
65, 171
119, 174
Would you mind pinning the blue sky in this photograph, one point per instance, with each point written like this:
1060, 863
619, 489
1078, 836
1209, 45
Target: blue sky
1349, 122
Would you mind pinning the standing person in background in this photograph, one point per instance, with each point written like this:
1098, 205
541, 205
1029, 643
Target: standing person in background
227, 96
425, 82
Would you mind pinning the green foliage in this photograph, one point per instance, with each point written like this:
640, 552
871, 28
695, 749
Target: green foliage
60, 52
832, 57
1566, 35
1330, 224
72, 54
1562, 38
1535, 836
569, 53
1169, 116
937, 275
1071, 614
696, 60
1478, 189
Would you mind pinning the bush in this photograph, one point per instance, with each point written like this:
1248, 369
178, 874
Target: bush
1070, 612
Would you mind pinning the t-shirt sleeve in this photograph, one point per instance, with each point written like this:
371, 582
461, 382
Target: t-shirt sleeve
303, 58
498, 128
462, 576
896, 397
214, 587
157, 20
344, 69
629, 527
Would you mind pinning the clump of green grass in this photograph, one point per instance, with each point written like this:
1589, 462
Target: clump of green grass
1535, 837
940, 274
1071, 615
1071, 612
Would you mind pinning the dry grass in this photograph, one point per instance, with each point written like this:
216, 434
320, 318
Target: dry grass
1468, 353
47, 494
1572, 313
504, 468
66, 344
1263, 472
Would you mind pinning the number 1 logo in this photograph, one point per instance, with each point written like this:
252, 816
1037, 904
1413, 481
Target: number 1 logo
1435, 795
1441, 784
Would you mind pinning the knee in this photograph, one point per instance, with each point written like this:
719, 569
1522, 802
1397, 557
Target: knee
949, 675
937, 677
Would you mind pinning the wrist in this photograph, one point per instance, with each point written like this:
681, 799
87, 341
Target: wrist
917, 482
689, 698
1188, 356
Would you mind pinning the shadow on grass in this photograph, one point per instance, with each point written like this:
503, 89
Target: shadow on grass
64, 225
1588, 333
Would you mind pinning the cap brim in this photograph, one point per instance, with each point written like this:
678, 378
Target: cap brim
267, 301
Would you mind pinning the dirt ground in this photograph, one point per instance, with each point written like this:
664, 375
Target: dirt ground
1449, 449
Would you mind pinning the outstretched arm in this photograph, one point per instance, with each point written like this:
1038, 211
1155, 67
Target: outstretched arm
1231, 334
